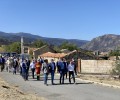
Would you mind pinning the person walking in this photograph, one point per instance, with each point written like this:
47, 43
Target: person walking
24, 70
15, 65
2, 63
38, 65
61, 70
32, 66
8, 65
75, 66
71, 71
65, 67
45, 69
28, 65
52, 69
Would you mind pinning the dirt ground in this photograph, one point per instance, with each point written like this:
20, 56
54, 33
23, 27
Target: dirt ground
8, 92
101, 79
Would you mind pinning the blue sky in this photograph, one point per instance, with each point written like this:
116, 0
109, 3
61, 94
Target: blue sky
70, 19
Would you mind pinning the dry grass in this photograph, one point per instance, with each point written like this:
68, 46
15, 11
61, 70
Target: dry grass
8, 92
101, 79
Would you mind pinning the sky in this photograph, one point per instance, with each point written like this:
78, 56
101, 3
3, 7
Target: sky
69, 19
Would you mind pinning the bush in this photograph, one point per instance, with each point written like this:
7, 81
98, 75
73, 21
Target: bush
116, 69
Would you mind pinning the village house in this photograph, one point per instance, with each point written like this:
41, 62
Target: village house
43, 50
54, 56
68, 56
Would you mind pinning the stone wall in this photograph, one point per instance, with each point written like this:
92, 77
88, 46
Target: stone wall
96, 66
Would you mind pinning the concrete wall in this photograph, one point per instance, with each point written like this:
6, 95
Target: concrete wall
96, 66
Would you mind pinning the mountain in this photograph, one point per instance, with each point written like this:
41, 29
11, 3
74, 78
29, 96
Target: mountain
28, 38
103, 43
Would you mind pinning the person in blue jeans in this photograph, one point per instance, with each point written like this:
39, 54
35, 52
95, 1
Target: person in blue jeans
24, 70
32, 66
61, 70
15, 65
45, 69
52, 69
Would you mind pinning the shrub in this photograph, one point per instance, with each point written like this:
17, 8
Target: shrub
116, 69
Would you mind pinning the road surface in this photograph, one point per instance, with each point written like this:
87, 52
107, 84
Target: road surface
80, 91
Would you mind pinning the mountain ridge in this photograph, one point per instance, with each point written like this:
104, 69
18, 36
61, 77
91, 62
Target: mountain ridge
105, 42
28, 37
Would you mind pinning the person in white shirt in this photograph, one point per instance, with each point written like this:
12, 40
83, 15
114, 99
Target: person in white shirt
71, 72
32, 66
45, 69
8, 64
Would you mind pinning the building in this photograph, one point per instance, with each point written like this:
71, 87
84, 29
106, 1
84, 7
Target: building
54, 56
43, 50
68, 56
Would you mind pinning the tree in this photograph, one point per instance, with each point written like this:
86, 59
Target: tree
69, 46
115, 52
14, 47
38, 43
116, 69
57, 49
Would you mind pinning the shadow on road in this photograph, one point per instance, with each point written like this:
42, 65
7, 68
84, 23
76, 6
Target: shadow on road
72, 83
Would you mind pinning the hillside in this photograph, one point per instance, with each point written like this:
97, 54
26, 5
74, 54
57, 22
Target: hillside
103, 43
28, 38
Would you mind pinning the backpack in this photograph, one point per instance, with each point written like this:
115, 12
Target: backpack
24, 65
45, 68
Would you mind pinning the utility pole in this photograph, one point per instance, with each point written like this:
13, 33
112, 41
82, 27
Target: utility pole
22, 47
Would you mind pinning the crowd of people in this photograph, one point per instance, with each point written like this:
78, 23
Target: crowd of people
38, 66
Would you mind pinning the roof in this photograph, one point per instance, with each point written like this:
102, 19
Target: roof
39, 48
33, 49
44, 47
56, 55
53, 55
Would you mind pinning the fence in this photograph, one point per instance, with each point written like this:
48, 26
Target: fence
95, 66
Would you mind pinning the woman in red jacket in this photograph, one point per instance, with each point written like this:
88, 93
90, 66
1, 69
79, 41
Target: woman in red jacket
38, 69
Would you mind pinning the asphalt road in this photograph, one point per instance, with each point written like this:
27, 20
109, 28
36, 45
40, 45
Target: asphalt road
80, 91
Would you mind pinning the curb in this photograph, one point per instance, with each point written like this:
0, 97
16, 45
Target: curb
103, 84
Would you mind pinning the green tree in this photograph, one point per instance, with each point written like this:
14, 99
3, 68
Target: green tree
57, 49
69, 46
115, 52
116, 69
38, 43
14, 47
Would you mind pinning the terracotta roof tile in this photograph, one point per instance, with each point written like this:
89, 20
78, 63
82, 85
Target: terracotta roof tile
54, 55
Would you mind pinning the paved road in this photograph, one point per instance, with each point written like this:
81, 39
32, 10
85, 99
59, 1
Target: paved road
80, 91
